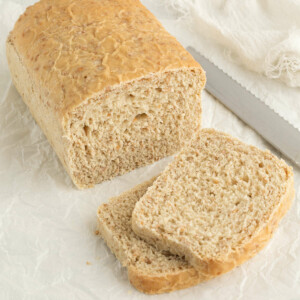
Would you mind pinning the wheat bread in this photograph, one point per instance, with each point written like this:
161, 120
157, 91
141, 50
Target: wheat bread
149, 270
109, 86
218, 203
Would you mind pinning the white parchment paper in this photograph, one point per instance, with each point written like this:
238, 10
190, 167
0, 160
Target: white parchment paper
48, 249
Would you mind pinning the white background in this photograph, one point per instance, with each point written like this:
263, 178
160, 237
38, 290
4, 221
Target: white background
48, 249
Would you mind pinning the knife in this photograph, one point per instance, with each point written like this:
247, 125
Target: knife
264, 120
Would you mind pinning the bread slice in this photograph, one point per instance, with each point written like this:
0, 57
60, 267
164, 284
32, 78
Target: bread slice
149, 270
111, 88
218, 203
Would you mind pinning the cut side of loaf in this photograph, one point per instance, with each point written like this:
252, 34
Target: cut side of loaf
111, 88
149, 270
218, 203
136, 124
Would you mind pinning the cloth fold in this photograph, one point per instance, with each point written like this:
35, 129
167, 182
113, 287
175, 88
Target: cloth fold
262, 35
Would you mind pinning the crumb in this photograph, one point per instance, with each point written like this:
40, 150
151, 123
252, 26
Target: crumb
88, 263
129, 292
96, 232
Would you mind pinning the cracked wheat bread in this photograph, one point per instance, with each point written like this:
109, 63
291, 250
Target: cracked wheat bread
218, 203
149, 270
109, 86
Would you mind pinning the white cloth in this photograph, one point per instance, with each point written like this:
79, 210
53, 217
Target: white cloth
263, 35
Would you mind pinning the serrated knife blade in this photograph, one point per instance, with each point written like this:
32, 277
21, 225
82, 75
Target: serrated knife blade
276, 130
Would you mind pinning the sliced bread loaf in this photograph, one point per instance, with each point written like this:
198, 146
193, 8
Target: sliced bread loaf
149, 270
218, 203
110, 87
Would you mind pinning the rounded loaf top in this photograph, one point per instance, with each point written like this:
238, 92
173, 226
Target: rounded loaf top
74, 49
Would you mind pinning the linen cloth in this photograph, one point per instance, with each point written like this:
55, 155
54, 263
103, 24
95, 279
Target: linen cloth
262, 35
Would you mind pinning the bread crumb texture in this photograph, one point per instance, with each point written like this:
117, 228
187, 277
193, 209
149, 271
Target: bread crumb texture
218, 202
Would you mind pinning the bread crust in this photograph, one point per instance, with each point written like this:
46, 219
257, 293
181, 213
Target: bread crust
60, 47
37, 102
153, 284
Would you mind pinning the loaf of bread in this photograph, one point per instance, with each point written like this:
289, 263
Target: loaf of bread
109, 86
218, 203
149, 270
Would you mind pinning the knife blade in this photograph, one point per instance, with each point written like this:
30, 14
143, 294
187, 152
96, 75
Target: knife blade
263, 119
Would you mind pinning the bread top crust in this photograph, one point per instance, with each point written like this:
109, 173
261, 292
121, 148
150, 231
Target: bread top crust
74, 49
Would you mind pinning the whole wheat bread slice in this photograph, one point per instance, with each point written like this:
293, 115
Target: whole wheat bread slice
149, 270
217, 203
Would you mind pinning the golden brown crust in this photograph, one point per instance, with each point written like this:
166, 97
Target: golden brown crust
31, 95
151, 284
74, 55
